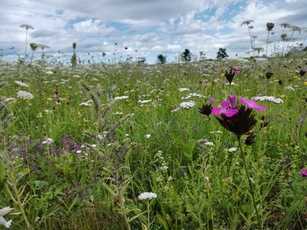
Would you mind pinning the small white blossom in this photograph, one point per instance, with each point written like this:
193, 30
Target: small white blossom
183, 89
147, 196
21, 84
3, 212
232, 149
121, 98
47, 141
144, 101
25, 95
147, 136
87, 103
185, 105
269, 99
208, 143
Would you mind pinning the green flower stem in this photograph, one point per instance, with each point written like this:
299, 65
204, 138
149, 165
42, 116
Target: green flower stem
250, 184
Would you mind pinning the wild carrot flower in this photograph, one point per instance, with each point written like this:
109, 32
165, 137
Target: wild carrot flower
24, 95
147, 196
237, 115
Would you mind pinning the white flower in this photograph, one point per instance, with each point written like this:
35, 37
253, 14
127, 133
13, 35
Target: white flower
147, 136
192, 95
185, 105
47, 141
24, 95
164, 168
3, 212
290, 88
147, 196
9, 99
21, 84
121, 98
87, 103
232, 149
208, 143
183, 89
269, 99
144, 101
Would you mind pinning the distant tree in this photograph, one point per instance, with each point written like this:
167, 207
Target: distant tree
161, 59
221, 54
186, 55
74, 59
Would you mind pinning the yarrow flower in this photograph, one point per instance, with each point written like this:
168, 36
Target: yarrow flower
237, 115
275, 100
25, 95
185, 105
21, 84
3, 212
147, 196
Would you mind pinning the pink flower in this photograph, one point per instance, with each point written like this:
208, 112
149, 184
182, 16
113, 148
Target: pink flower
251, 104
228, 108
236, 70
237, 115
303, 172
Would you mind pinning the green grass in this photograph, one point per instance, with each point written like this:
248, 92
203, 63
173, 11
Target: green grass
198, 187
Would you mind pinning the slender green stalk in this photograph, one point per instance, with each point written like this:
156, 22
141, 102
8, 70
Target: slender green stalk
148, 215
250, 184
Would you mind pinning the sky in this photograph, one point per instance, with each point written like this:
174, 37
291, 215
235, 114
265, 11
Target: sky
145, 27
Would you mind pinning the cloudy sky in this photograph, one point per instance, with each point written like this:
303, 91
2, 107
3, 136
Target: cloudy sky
149, 26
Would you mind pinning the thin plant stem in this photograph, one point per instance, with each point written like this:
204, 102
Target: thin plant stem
148, 215
250, 184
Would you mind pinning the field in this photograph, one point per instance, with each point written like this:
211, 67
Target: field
79, 146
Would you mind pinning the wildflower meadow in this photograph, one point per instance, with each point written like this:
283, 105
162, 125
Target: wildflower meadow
112, 142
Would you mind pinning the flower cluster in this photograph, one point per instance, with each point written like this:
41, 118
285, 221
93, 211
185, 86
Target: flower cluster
235, 114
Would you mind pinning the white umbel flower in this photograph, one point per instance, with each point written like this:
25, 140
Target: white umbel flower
25, 95
3, 212
185, 105
47, 141
21, 84
183, 89
232, 149
147, 196
119, 98
273, 99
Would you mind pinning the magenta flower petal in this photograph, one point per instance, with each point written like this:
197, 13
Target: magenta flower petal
230, 112
216, 111
232, 101
303, 172
251, 104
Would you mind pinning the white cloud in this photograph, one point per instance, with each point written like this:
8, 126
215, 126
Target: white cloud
148, 26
